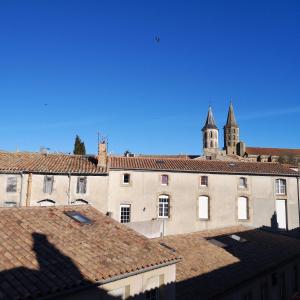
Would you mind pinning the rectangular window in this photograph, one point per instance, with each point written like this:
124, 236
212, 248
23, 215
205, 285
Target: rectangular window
203, 207
164, 179
204, 181
48, 184
280, 186
163, 207
81, 185
242, 208
125, 211
243, 182
11, 184
126, 178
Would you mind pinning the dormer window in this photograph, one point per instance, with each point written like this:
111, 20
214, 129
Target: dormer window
126, 178
164, 179
243, 183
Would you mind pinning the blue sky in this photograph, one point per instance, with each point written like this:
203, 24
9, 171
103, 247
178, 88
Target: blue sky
97, 67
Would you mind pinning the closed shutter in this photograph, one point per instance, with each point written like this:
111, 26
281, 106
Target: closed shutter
203, 207
242, 208
281, 213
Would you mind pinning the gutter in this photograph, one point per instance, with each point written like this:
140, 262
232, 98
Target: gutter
207, 172
112, 279
123, 276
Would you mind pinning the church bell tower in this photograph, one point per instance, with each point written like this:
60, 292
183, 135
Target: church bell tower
231, 133
210, 134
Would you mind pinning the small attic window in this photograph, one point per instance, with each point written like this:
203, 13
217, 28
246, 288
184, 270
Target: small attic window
78, 217
232, 164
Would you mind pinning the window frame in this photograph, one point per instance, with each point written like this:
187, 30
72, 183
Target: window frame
163, 206
245, 183
129, 179
12, 187
46, 182
206, 180
78, 188
279, 184
125, 217
162, 179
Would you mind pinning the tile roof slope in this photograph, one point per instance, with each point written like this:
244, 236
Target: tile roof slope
197, 165
49, 163
206, 270
100, 251
272, 151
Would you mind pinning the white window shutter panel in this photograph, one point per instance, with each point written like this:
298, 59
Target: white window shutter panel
242, 208
203, 207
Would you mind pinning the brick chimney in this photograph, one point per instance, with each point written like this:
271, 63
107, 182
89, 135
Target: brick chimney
102, 154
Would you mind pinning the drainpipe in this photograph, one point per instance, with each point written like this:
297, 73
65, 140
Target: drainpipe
21, 190
69, 189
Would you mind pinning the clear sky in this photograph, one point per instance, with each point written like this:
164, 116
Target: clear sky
79, 67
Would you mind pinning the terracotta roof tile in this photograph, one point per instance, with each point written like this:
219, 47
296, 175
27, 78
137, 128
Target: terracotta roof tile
272, 151
201, 166
207, 270
46, 251
48, 163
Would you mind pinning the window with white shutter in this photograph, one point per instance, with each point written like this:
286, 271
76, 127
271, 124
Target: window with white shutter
242, 208
203, 207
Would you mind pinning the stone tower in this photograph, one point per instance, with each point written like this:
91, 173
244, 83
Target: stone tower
231, 133
210, 134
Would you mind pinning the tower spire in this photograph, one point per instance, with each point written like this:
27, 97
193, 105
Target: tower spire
231, 132
231, 117
210, 121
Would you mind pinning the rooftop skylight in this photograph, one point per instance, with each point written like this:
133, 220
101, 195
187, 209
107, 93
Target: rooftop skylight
78, 217
238, 238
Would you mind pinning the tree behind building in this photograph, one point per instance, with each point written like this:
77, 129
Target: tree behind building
79, 147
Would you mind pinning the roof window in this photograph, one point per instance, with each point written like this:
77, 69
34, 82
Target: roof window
78, 217
168, 247
238, 238
160, 161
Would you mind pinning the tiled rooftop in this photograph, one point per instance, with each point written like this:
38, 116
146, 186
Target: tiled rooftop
272, 151
197, 165
49, 163
44, 251
207, 270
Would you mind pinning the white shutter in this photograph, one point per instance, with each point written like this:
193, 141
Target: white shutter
203, 207
242, 208
281, 213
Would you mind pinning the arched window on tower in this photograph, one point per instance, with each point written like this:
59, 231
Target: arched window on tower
211, 134
211, 144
